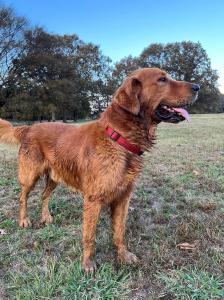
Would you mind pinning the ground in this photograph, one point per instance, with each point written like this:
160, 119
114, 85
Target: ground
178, 199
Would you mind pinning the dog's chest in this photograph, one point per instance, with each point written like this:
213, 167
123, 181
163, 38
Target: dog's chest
112, 180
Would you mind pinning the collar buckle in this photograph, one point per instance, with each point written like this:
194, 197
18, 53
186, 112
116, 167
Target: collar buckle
114, 135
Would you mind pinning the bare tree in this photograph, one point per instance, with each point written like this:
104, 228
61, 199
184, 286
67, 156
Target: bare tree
11, 39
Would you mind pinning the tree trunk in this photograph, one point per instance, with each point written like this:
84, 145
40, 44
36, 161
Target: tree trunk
64, 117
53, 116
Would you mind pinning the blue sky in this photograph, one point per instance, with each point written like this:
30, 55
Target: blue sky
127, 27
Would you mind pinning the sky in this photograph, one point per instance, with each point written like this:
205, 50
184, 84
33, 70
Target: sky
127, 27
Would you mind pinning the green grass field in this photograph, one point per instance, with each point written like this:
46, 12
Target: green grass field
178, 199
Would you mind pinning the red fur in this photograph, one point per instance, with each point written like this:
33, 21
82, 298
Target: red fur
87, 160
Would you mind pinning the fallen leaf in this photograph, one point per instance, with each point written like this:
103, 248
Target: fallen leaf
36, 244
2, 291
195, 172
2, 232
208, 206
187, 246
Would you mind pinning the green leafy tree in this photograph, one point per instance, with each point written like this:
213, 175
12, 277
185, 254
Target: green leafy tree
44, 77
95, 69
124, 67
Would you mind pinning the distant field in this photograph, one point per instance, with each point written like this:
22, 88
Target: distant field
178, 199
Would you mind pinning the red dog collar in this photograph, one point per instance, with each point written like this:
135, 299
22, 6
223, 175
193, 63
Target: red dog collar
115, 136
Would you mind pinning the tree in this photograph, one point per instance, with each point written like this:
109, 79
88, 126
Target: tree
124, 67
222, 102
45, 78
58, 76
95, 69
11, 42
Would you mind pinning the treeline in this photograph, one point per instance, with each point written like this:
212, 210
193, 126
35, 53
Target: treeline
50, 76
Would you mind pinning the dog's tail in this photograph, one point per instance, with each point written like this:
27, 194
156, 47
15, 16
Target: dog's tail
10, 134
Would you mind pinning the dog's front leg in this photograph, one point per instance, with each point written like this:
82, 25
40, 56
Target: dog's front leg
91, 213
119, 210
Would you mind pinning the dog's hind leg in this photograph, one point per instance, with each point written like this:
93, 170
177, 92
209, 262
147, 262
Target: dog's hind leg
29, 171
24, 221
26, 187
46, 218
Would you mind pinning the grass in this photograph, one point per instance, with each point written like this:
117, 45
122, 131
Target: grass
178, 199
65, 280
193, 284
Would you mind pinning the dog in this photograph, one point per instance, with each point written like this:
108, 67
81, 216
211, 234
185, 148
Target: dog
101, 159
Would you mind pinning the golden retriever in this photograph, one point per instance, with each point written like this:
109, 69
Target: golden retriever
101, 159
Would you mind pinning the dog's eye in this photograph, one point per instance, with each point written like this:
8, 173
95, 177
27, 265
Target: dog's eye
163, 79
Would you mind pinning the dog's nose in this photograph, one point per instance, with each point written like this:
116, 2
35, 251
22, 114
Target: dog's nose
195, 87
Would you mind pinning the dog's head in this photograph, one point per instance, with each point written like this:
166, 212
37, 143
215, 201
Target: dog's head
153, 92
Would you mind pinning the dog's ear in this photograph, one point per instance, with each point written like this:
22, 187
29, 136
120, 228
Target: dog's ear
127, 96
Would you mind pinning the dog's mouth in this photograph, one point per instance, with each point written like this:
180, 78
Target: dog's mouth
170, 114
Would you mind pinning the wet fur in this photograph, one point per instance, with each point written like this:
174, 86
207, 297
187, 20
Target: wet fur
85, 159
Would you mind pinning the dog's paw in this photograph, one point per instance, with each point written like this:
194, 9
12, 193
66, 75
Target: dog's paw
46, 219
89, 266
25, 222
127, 257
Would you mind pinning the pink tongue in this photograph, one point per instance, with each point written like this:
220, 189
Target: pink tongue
183, 113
